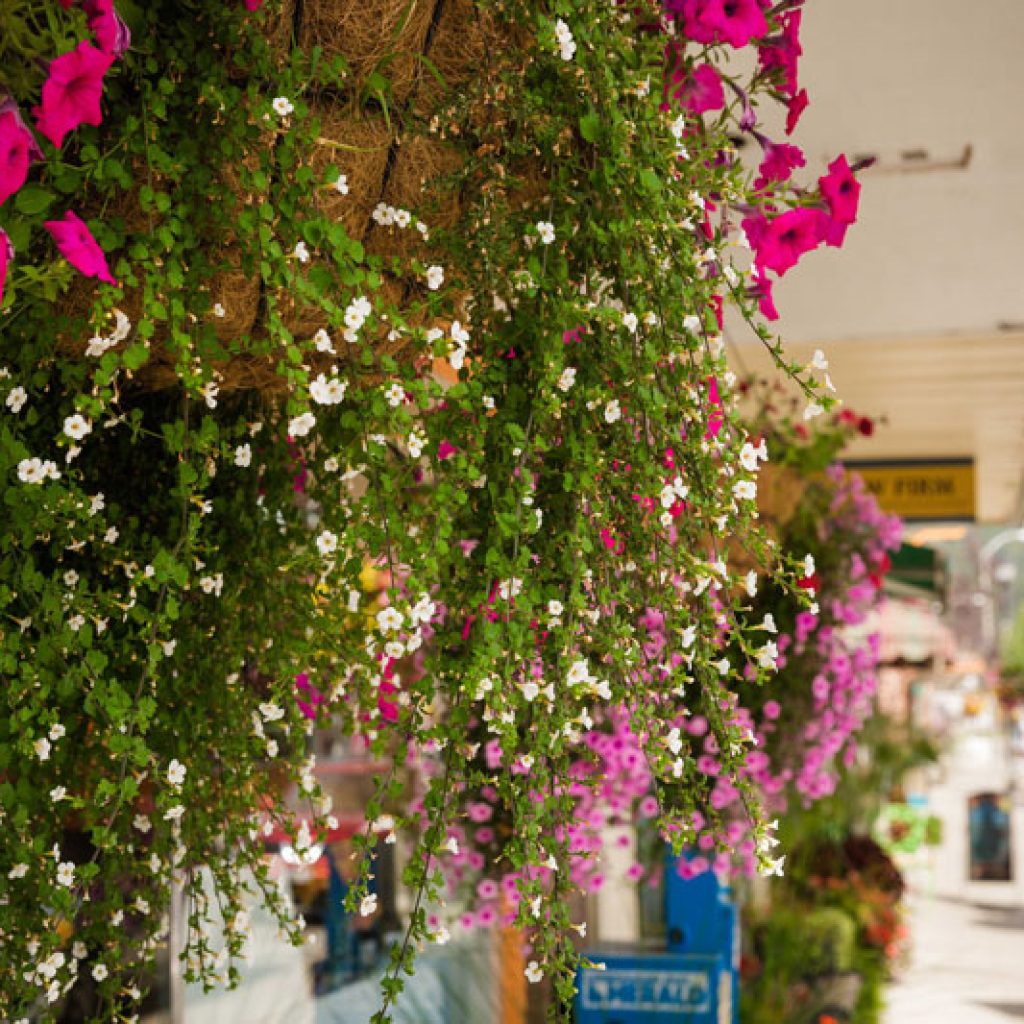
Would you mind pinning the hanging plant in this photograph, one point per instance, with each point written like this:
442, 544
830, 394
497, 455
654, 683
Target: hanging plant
274, 313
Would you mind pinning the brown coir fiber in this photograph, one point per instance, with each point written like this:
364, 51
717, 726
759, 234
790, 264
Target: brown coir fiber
371, 35
357, 143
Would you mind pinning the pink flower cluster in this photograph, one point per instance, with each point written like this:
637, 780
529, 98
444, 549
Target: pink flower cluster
71, 97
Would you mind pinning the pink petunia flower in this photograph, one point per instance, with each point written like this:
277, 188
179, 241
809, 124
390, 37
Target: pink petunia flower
17, 149
252, 5
71, 94
78, 247
841, 192
6, 255
109, 29
698, 91
780, 160
794, 109
779, 243
779, 54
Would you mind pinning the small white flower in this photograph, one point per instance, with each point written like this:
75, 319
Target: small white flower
389, 619
533, 972
530, 690
42, 748
243, 456
368, 905
98, 346
819, 362
18, 871
546, 231
452, 846
219, 311
110, 537
142, 823
435, 277
99, 972
442, 936
555, 609
768, 656
693, 324
175, 813
395, 395
271, 712
16, 399
282, 106
323, 342
66, 874
745, 490
750, 582
176, 773
327, 543
769, 623
300, 252
327, 392
579, 672
341, 184
813, 409
748, 457
57, 731
630, 322
31, 471
567, 378
301, 425
509, 589
612, 411
402, 218
808, 566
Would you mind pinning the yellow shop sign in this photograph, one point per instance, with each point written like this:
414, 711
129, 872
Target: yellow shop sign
921, 489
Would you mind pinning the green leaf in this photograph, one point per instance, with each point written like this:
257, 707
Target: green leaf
33, 200
590, 127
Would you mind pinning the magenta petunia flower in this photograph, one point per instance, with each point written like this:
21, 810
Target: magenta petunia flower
841, 192
778, 55
794, 110
108, 28
17, 149
252, 5
735, 22
780, 160
779, 243
699, 91
71, 95
6, 255
78, 247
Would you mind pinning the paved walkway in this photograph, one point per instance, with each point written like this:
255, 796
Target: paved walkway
967, 962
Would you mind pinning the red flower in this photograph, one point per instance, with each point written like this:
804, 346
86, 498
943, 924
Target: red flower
841, 192
780, 160
17, 149
71, 95
698, 91
6, 255
78, 247
779, 243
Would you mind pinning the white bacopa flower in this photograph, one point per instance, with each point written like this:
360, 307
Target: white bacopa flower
77, 426
745, 490
612, 411
174, 813
31, 471
415, 443
243, 455
16, 399
98, 346
567, 378
509, 589
813, 409
176, 773
301, 425
435, 277
693, 324
768, 656
808, 566
818, 361
323, 342
122, 326
579, 672
42, 748
341, 184
18, 871
402, 218
452, 846
768, 623
327, 392
395, 394
442, 936
110, 537
76, 622
389, 619
631, 322
142, 823
300, 252
66, 874
57, 731
327, 543
219, 311
546, 231
99, 972
530, 690
271, 712
282, 106
368, 905
555, 608
748, 457
533, 972
750, 582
